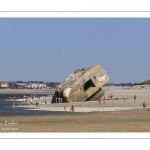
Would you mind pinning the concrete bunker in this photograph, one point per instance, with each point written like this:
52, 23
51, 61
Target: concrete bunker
82, 85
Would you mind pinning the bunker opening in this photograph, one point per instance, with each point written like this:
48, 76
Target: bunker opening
88, 86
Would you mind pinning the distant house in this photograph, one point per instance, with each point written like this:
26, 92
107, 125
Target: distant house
36, 84
21, 84
12, 85
55, 84
4, 84
52, 84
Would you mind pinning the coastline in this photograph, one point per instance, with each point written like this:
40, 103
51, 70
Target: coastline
123, 99
116, 115
27, 91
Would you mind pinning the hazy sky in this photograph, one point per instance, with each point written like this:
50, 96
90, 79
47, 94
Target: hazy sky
49, 49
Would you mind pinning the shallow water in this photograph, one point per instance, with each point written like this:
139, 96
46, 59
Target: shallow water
6, 96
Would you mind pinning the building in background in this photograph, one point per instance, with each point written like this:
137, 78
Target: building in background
28, 84
36, 84
21, 84
4, 84
12, 85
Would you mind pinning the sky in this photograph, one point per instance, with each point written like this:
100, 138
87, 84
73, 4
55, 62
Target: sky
50, 49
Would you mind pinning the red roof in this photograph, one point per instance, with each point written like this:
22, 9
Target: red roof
4, 82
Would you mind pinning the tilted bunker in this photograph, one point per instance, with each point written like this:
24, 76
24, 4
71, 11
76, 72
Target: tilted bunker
82, 85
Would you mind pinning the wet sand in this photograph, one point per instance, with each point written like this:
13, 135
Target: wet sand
115, 121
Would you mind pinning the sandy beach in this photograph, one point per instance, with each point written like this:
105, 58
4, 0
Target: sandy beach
116, 115
115, 121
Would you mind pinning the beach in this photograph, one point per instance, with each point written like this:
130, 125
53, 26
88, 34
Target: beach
115, 121
120, 114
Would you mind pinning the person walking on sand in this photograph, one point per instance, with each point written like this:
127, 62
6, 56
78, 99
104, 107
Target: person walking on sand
31, 100
111, 96
56, 99
64, 110
37, 105
26, 100
45, 101
32, 97
134, 98
72, 109
13, 104
14, 98
144, 104
99, 100
104, 99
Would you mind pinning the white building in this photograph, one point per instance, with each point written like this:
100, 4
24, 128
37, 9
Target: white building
4, 84
36, 84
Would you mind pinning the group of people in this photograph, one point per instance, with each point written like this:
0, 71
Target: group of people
13, 104
29, 98
71, 109
144, 103
13, 98
102, 99
59, 99
32, 97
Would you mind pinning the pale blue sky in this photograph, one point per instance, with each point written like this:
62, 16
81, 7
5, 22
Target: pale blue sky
49, 49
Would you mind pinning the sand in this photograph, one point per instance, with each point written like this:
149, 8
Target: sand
115, 121
115, 115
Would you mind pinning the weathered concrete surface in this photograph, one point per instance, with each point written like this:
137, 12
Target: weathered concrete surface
82, 85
